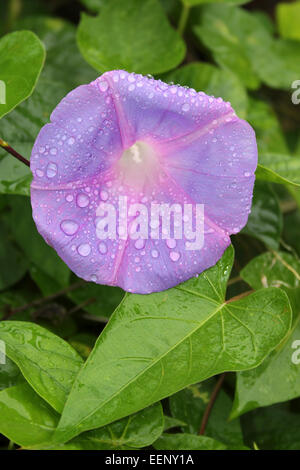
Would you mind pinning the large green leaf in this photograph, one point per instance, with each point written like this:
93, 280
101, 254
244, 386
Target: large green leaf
131, 35
288, 19
155, 345
24, 417
64, 69
265, 219
22, 57
47, 362
277, 379
190, 404
213, 81
187, 442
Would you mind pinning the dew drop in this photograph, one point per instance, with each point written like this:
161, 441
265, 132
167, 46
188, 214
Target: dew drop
94, 278
69, 227
39, 173
102, 248
82, 200
185, 107
51, 170
84, 249
103, 85
71, 141
154, 254
174, 256
171, 243
139, 244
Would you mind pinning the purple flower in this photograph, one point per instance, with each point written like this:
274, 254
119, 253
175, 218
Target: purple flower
140, 184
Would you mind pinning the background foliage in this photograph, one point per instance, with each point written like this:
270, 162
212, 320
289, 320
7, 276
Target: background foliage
66, 383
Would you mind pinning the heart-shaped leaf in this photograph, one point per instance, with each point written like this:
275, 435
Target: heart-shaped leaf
155, 345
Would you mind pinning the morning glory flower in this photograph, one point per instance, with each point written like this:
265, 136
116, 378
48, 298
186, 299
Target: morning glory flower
139, 184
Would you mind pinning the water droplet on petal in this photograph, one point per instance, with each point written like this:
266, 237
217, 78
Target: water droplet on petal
94, 278
139, 244
154, 254
84, 249
69, 227
102, 248
174, 256
103, 85
82, 200
171, 243
51, 170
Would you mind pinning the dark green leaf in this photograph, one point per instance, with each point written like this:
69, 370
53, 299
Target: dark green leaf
12, 264
190, 404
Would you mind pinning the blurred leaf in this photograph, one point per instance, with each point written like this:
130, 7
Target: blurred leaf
288, 19
273, 428
10, 374
13, 266
243, 43
291, 230
278, 168
25, 418
277, 378
47, 362
265, 219
131, 35
224, 30
192, 3
190, 404
64, 69
136, 431
268, 132
22, 57
213, 81
33, 245
93, 5
187, 442
157, 344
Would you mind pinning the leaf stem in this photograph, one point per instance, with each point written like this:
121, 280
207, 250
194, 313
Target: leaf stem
211, 403
13, 152
183, 19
